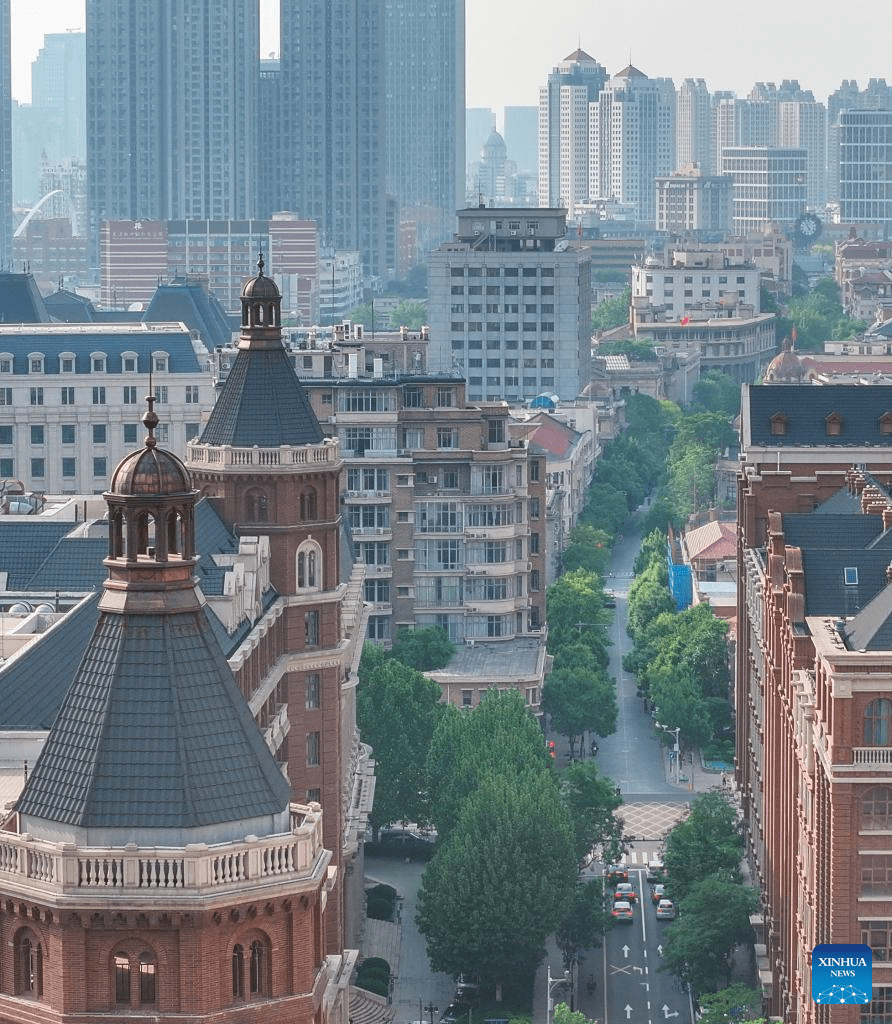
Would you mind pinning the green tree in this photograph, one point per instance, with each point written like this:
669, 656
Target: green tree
424, 649
362, 314
587, 549
653, 549
576, 613
606, 508
732, 1004
500, 736
713, 919
592, 799
649, 596
637, 351
710, 430
409, 313
612, 312
501, 882
707, 842
562, 1014
586, 921
717, 392
692, 481
397, 710
577, 700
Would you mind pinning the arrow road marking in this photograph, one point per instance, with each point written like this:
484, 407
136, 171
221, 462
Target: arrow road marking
626, 952
659, 950
628, 1010
635, 967
666, 1012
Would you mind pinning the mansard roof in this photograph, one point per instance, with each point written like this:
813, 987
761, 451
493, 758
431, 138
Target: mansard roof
20, 300
805, 407
189, 300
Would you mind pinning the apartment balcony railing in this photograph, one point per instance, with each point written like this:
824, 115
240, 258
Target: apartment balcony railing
63, 869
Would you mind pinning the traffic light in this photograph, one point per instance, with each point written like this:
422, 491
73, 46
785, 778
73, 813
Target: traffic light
551, 751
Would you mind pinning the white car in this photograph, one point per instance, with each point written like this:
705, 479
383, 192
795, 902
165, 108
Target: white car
665, 910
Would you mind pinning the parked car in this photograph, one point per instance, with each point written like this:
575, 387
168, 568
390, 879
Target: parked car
616, 873
626, 891
657, 893
665, 910
455, 1012
622, 911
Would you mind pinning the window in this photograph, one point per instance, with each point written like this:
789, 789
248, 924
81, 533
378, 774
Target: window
876, 874
534, 543
534, 580
122, 979
159, 362
450, 480
69, 468
238, 972
313, 691
161, 394
146, 980
97, 363
129, 362
98, 396
311, 628
35, 364
6, 364
192, 430
38, 469
130, 395
878, 935
534, 508
446, 398
447, 437
5, 396
68, 396
413, 398
467, 698
314, 796
131, 433
312, 749
37, 433
877, 717
308, 559
258, 967
496, 431
377, 591
876, 809
7, 467
28, 965
37, 396
5, 434
534, 471
99, 433
100, 467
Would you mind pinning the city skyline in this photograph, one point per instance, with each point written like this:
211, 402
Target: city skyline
774, 43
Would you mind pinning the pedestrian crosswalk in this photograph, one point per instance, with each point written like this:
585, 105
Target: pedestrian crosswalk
651, 822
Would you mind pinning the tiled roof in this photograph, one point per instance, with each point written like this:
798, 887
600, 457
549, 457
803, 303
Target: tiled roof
21, 301
805, 408
34, 684
191, 302
25, 548
69, 307
555, 437
712, 540
262, 403
82, 341
154, 733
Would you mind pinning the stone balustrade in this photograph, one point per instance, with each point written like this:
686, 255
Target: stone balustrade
287, 457
66, 869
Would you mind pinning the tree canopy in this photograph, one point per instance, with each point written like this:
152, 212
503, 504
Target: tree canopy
591, 799
707, 842
612, 312
577, 699
397, 710
585, 922
425, 649
501, 881
576, 613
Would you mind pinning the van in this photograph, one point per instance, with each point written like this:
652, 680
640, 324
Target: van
656, 871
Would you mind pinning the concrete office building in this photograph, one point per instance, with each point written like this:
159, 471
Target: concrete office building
802, 124
813, 683
333, 82
425, 114
876, 96
633, 130
565, 136
770, 186
171, 110
5, 138
691, 203
693, 126
865, 167
510, 305
739, 122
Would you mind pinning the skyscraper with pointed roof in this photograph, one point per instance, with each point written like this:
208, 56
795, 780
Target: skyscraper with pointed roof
564, 132
154, 862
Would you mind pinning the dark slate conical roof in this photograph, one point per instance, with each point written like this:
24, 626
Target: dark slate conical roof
262, 402
154, 733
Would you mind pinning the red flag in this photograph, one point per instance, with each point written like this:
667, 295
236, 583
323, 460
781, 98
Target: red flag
685, 320
793, 334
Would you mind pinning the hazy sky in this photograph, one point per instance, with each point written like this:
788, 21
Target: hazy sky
513, 44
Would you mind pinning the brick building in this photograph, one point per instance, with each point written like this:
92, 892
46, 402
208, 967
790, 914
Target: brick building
814, 682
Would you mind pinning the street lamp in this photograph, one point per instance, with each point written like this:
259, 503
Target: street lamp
552, 982
676, 731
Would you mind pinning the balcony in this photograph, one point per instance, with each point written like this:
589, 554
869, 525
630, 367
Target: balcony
226, 458
872, 757
65, 870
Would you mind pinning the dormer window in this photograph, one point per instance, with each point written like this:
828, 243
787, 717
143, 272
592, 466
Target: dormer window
834, 424
159, 362
779, 424
886, 424
98, 362
129, 362
66, 362
35, 362
6, 362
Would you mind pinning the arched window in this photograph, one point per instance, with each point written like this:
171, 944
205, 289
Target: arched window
122, 979
308, 505
238, 972
877, 722
258, 968
876, 809
256, 506
129, 966
146, 980
28, 965
309, 563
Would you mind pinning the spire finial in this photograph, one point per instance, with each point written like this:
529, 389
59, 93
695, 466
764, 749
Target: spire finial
260, 264
150, 417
